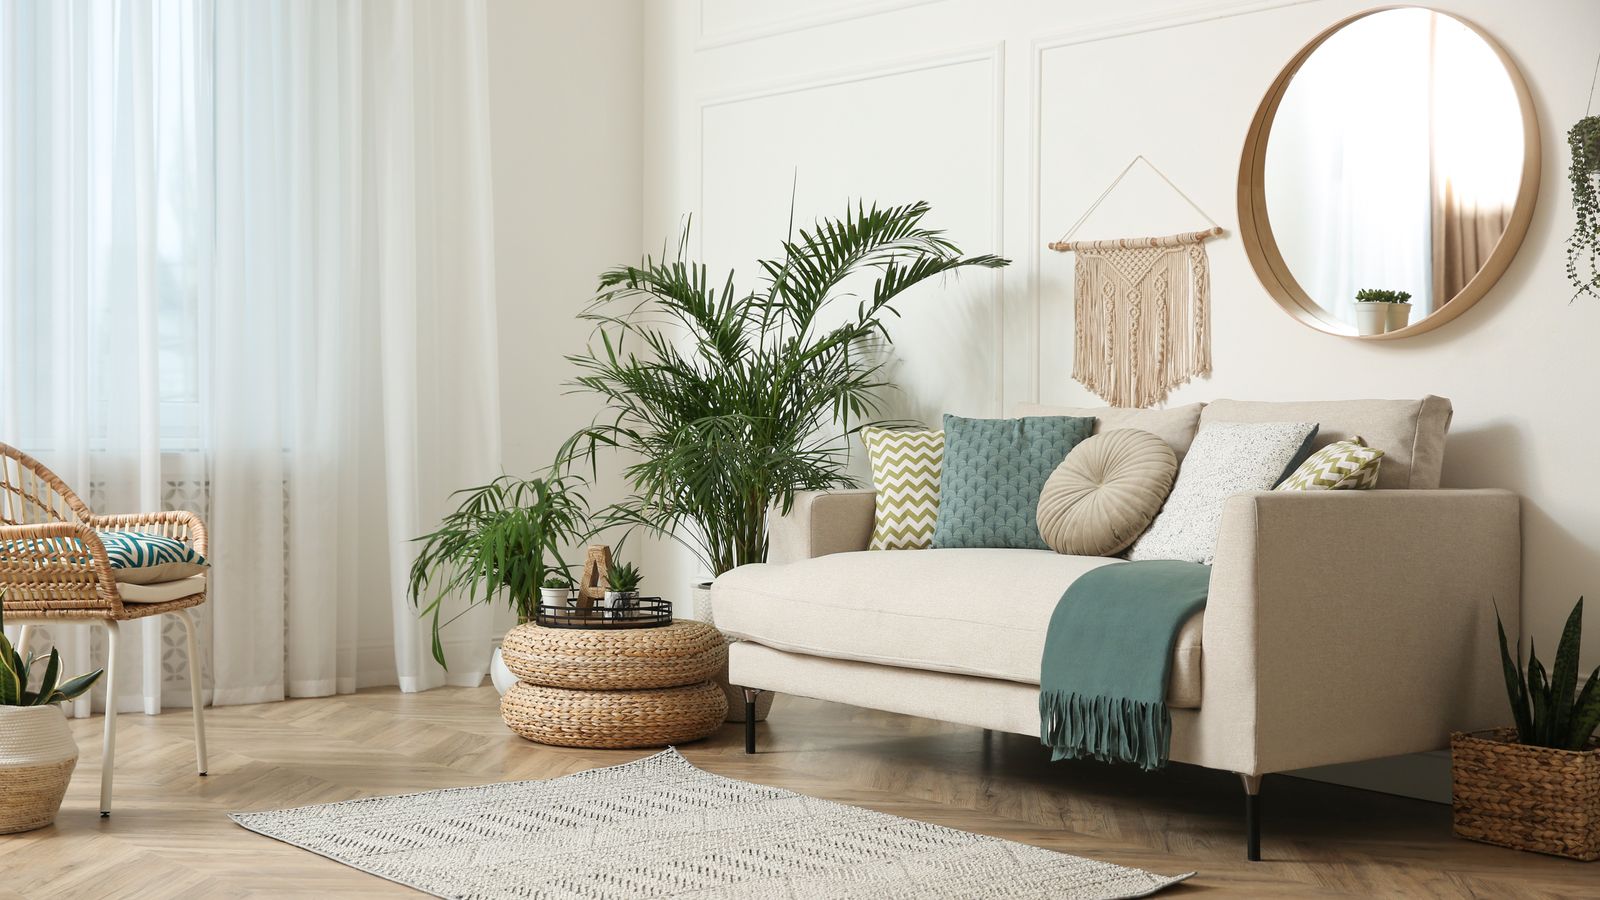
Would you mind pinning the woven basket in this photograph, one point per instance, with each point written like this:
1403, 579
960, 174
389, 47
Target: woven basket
1526, 798
681, 653
37, 756
614, 719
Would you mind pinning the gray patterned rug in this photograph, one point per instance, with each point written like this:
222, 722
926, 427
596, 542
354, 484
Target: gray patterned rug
659, 827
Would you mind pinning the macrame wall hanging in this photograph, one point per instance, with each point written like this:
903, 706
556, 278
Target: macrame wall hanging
1141, 308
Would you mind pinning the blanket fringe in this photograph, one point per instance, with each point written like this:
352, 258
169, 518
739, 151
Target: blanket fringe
1110, 729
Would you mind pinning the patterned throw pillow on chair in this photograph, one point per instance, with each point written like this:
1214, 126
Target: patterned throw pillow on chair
905, 477
140, 558
1341, 466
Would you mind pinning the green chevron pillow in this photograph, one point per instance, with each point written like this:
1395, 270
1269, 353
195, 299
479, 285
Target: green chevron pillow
1341, 466
905, 476
993, 472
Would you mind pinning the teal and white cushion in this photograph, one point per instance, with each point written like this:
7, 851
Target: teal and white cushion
140, 558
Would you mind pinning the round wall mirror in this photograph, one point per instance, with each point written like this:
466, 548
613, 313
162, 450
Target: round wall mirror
1395, 158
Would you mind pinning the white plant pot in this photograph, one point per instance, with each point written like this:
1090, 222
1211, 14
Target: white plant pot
1398, 316
703, 612
37, 756
555, 598
504, 679
1372, 318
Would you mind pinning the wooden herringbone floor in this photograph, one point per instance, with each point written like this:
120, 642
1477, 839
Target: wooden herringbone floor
169, 836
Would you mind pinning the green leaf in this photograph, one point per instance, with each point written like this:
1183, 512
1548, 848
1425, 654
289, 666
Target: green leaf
1539, 696
72, 687
1564, 675
1516, 690
52, 672
10, 688
1585, 713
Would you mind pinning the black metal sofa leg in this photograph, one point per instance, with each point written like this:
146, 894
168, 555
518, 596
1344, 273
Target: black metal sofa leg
750, 695
1252, 817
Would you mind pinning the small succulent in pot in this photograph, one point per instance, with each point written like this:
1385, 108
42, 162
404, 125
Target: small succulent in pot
622, 585
555, 592
1379, 311
1375, 295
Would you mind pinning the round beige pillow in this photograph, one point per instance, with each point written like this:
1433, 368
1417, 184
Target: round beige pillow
1106, 492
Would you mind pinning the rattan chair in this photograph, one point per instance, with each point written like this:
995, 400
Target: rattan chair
53, 568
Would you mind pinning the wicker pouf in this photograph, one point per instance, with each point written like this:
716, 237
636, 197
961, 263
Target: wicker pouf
614, 719
682, 653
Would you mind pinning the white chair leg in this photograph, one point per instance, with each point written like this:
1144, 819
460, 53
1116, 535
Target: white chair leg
21, 645
194, 689
109, 753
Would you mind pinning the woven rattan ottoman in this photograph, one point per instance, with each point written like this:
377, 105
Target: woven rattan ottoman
614, 688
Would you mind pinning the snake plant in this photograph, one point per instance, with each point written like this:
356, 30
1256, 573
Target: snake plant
1542, 703
15, 672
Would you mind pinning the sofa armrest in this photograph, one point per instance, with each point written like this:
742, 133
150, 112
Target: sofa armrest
819, 523
1350, 625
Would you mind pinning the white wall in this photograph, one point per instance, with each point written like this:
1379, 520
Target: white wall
1011, 116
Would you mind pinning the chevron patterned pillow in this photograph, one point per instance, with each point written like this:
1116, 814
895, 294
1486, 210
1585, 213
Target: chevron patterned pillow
1341, 466
905, 475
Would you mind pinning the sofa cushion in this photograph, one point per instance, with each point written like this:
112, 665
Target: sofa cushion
1176, 426
1410, 433
991, 477
905, 478
971, 611
1105, 492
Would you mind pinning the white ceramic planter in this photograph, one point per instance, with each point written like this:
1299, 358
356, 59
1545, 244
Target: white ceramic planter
618, 600
1372, 317
37, 756
701, 592
556, 598
504, 679
1398, 316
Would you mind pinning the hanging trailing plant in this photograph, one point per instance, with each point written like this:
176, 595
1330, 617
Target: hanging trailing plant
1583, 247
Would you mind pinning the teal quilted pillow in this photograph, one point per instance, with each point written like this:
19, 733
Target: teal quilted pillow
993, 472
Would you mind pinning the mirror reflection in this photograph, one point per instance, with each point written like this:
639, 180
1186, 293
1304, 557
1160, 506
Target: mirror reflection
1392, 166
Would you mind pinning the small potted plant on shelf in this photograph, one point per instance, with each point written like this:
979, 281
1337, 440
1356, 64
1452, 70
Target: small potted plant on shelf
556, 592
1536, 786
622, 586
1378, 311
37, 752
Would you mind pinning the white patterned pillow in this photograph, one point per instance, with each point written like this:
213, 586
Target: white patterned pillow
140, 558
905, 476
1226, 458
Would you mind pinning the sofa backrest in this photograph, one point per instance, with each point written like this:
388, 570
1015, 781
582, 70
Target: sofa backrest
1409, 432
1176, 426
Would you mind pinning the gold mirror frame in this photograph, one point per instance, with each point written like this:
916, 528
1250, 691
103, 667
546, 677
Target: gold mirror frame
1256, 229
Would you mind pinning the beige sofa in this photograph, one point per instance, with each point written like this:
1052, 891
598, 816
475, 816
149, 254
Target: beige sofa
1341, 625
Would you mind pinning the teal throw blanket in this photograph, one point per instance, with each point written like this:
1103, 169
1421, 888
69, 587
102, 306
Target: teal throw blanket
1107, 657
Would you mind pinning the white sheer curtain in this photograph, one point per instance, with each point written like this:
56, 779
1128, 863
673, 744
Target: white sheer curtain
246, 266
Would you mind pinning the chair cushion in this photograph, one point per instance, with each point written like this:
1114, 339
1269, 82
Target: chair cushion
140, 558
992, 474
162, 592
1411, 433
1105, 492
1176, 425
905, 482
976, 612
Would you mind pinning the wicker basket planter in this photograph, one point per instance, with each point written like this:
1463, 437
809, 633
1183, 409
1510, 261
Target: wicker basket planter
1526, 798
37, 756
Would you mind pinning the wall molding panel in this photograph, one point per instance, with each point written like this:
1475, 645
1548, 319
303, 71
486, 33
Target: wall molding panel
993, 55
711, 38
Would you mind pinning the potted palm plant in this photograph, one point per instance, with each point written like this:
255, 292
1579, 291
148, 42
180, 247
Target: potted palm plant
1536, 786
726, 402
503, 541
37, 752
